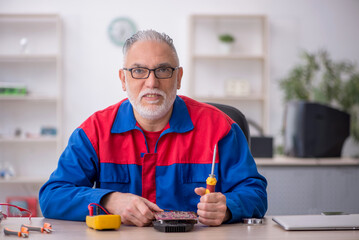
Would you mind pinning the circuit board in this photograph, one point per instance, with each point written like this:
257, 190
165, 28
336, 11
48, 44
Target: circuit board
176, 215
174, 221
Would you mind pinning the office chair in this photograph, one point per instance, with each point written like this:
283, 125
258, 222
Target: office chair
237, 116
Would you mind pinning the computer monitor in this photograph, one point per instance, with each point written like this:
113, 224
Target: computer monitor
314, 130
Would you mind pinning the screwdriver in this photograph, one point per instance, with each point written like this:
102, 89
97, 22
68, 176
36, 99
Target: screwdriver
24, 232
211, 180
47, 228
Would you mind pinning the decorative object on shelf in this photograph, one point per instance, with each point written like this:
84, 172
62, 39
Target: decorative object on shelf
236, 88
31, 97
48, 131
248, 61
12, 88
18, 132
31, 135
120, 29
321, 80
24, 42
7, 171
226, 42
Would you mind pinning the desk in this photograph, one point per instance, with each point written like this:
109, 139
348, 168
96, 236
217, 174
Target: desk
69, 230
284, 161
310, 185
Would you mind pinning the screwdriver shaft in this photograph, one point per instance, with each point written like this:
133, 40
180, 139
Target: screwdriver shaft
214, 159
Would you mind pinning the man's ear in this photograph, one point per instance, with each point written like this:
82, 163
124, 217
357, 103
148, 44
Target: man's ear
123, 79
179, 77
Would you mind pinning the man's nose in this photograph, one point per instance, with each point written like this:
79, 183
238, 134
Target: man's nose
152, 81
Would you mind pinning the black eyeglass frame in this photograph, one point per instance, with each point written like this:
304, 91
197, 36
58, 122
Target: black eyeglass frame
150, 70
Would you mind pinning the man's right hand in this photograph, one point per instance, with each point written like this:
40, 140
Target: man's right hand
134, 210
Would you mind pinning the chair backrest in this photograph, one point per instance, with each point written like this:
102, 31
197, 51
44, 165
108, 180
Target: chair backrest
236, 115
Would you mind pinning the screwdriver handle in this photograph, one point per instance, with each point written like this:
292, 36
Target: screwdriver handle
211, 184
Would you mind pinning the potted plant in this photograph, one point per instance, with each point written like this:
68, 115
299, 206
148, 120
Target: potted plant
226, 43
319, 79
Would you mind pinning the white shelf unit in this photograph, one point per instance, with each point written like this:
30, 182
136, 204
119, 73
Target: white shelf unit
38, 66
213, 72
21, 180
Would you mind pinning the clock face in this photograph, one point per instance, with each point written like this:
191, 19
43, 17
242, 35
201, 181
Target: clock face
120, 30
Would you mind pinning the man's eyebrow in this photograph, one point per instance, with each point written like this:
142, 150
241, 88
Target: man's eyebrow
137, 65
165, 64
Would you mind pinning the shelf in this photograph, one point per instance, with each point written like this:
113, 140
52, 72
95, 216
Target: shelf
29, 180
229, 57
227, 16
291, 161
28, 140
28, 57
27, 17
237, 76
229, 98
31, 56
39, 98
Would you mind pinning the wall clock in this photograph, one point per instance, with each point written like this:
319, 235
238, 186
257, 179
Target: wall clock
120, 29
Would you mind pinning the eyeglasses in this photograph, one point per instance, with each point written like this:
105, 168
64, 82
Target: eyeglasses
14, 211
143, 73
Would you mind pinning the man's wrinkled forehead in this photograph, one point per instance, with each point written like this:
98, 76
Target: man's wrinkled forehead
147, 45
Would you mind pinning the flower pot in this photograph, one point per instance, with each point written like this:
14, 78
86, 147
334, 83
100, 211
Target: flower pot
225, 47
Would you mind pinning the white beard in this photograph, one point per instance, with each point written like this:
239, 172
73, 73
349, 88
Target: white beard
152, 111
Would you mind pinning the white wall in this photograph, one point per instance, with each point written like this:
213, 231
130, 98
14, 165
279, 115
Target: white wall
91, 61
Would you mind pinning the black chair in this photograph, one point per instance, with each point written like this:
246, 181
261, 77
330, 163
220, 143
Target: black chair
237, 116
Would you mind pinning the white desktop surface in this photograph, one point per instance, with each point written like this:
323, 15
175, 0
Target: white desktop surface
78, 230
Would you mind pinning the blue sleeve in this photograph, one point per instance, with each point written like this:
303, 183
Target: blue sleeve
243, 186
70, 187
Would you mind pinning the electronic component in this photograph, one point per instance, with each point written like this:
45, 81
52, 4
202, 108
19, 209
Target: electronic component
252, 220
174, 221
175, 215
102, 222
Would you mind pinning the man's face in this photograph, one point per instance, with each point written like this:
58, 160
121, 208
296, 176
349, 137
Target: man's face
151, 98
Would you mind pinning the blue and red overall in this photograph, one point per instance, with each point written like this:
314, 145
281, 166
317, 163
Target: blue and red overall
109, 150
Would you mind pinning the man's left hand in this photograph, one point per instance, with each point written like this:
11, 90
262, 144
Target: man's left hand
212, 208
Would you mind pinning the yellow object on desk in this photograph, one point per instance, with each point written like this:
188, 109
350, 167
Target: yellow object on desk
103, 222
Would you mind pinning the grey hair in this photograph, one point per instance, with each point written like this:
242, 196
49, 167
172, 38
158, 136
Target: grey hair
149, 35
